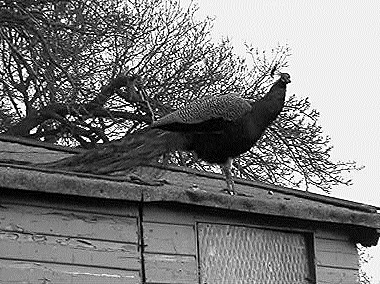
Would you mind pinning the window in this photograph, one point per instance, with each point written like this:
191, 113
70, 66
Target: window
239, 254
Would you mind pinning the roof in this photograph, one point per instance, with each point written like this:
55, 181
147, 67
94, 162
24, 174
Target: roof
180, 186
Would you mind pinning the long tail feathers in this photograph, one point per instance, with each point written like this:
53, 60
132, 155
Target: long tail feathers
134, 150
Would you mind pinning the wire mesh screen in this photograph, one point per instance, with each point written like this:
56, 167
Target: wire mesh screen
237, 254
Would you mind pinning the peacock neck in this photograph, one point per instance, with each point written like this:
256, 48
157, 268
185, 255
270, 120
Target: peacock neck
270, 106
276, 94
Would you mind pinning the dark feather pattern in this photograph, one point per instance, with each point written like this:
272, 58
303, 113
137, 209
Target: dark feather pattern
141, 148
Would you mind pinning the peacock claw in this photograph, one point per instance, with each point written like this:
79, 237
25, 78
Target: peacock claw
228, 191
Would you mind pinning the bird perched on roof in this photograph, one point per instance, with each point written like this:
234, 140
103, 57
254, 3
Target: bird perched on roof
217, 129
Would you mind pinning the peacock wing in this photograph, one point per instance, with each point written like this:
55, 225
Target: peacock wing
206, 114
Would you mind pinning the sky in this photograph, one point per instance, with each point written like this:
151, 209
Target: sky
335, 61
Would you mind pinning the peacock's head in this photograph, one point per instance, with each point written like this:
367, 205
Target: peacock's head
285, 77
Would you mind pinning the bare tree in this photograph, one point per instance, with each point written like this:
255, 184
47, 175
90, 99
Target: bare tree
73, 72
64, 65
364, 257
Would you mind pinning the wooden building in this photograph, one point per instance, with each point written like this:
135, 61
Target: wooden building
61, 227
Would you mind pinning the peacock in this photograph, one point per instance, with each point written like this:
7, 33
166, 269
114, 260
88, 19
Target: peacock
217, 129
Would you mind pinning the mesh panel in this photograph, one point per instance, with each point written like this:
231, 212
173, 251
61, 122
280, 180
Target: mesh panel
236, 254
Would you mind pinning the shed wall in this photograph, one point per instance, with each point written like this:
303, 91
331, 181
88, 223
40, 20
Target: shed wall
337, 258
50, 242
335, 255
73, 240
193, 223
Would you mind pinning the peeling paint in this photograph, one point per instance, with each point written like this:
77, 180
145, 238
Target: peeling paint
48, 273
39, 238
14, 227
63, 242
8, 235
86, 244
74, 216
98, 274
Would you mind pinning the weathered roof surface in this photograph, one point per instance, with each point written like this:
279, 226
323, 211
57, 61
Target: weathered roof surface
25, 151
182, 186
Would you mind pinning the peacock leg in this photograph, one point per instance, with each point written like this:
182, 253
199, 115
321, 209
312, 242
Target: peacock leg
226, 169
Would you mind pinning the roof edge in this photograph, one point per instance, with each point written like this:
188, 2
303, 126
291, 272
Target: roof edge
40, 144
23, 178
279, 189
282, 189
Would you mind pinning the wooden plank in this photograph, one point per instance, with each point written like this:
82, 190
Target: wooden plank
189, 215
327, 275
339, 246
24, 153
183, 215
332, 234
20, 272
165, 214
160, 268
68, 250
339, 260
336, 253
332, 259
73, 203
36, 220
169, 239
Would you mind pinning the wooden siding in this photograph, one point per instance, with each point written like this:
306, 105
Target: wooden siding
170, 252
13, 271
84, 241
68, 243
336, 258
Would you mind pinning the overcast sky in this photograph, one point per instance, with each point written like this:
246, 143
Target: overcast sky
335, 62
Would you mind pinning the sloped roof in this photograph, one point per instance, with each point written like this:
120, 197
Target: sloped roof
181, 186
